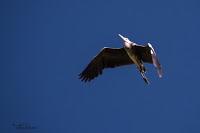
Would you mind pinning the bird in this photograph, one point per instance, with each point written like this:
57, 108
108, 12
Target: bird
130, 53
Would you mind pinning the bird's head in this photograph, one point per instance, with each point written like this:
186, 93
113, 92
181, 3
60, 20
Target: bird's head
127, 42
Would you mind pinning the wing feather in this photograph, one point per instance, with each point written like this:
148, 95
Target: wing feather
107, 58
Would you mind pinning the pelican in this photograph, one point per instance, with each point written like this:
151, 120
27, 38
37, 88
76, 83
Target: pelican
130, 53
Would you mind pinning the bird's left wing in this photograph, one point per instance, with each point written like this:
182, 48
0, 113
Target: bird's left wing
107, 58
148, 54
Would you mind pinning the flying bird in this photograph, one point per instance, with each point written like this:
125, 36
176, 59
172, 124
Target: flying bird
130, 53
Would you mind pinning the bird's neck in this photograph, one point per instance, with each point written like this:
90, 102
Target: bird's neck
127, 45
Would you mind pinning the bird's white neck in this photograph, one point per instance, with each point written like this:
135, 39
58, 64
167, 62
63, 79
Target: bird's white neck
128, 44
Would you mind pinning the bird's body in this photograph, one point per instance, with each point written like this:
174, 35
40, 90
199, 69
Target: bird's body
131, 53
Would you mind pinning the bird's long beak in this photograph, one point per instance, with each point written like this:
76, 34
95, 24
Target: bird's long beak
123, 38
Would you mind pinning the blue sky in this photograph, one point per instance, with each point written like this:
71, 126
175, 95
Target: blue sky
46, 44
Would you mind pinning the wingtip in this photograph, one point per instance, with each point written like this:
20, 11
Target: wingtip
160, 73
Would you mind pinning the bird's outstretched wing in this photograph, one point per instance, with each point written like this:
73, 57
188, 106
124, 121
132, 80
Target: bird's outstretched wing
148, 55
107, 58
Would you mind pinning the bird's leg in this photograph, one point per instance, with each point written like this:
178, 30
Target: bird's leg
142, 70
141, 67
144, 78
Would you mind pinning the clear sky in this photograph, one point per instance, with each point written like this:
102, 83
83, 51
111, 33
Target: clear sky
45, 44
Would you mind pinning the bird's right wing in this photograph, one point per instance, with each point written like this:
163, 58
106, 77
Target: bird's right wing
107, 58
148, 55
155, 60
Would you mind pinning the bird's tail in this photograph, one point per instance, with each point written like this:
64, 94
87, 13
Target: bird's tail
144, 78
